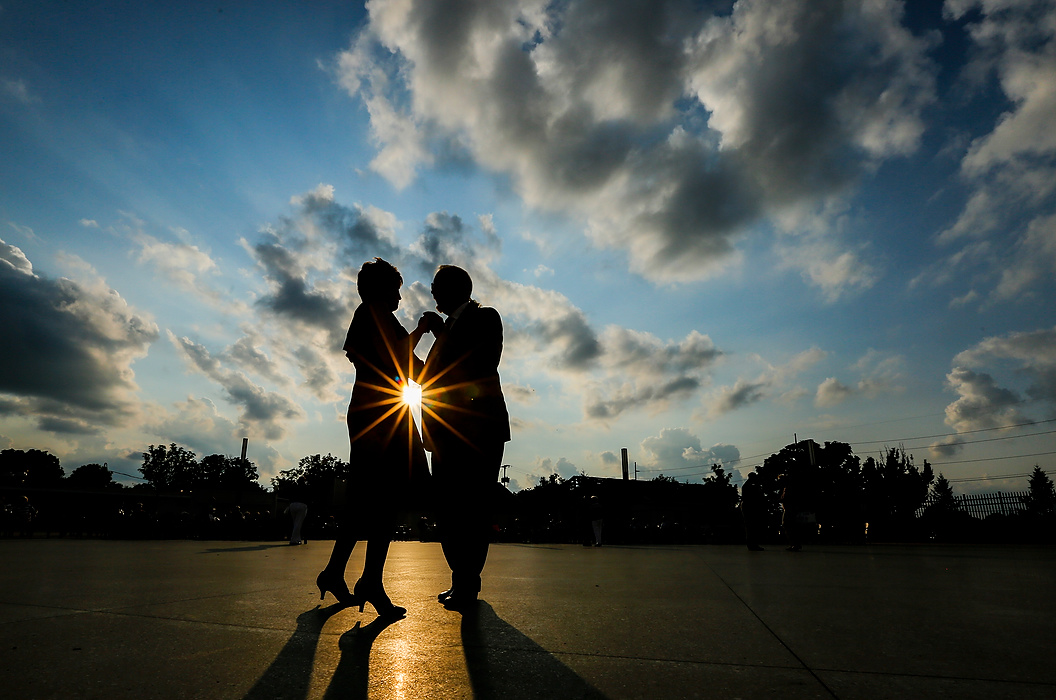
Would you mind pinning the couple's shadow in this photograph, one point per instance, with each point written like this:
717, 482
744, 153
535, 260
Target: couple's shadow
505, 664
290, 674
501, 661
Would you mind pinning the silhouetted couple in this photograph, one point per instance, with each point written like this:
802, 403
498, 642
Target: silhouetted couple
465, 426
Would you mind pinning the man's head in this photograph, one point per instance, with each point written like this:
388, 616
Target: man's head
452, 287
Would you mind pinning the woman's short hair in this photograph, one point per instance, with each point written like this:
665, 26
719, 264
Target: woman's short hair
377, 277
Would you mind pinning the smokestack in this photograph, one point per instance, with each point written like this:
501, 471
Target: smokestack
623, 455
245, 444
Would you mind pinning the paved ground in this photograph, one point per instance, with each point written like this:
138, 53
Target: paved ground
110, 619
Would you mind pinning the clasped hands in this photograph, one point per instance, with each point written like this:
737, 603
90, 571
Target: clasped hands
431, 322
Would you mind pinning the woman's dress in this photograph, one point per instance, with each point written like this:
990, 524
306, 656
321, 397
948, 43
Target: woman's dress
387, 465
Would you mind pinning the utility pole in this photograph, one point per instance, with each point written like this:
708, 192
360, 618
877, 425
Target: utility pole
505, 480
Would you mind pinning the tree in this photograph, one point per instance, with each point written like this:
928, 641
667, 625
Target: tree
239, 474
171, 467
90, 476
720, 498
312, 480
34, 468
221, 472
720, 490
1041, 496
942, 498
894, 489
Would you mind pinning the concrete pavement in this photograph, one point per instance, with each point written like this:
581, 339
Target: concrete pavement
175, 619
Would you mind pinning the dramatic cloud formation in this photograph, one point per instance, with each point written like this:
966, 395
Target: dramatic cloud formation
263, 412
745, 392
68, 349
983, 402
199, 425
667, 128
679, 449
1008, 227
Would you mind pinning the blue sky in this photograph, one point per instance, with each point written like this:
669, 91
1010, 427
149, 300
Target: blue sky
708, 226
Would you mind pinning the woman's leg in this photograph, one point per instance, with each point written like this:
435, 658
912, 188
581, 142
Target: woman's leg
343, 546
370, 587
332, 577
374, 563
380, 525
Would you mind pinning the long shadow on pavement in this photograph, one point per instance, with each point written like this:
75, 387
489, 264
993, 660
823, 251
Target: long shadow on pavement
247, 548
351, 678
290, 674
504, 663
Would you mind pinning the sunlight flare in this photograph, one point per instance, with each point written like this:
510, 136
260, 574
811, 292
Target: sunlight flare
412, 394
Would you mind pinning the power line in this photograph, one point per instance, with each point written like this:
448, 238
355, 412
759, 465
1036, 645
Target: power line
1003, 437
963, 432
993, 459
996, 478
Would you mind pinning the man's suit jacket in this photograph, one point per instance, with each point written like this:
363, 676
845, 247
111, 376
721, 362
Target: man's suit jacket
462, 401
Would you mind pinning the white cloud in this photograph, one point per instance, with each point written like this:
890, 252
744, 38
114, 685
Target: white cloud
524, 395
263, 413
197, 424
1012, 168
543, 271
545, 466
774, 379
15, 259
677, 449
836, 272
831, 392
183, 265
1033, 260
880, 373
982, 401
666, 129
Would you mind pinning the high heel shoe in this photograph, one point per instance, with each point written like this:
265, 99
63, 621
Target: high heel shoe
376, 596
328, 581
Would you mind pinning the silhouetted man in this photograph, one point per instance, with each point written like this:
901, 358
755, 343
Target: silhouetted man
465, 425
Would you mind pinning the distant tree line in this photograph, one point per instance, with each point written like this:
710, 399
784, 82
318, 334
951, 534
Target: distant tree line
846, 499
182, 496
171, 468
842, 498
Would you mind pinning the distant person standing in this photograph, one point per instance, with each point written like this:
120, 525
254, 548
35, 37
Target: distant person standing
24, 515
597, 518
753, 510
297, 511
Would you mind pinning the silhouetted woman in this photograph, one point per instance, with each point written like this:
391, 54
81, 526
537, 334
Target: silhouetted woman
387, 459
